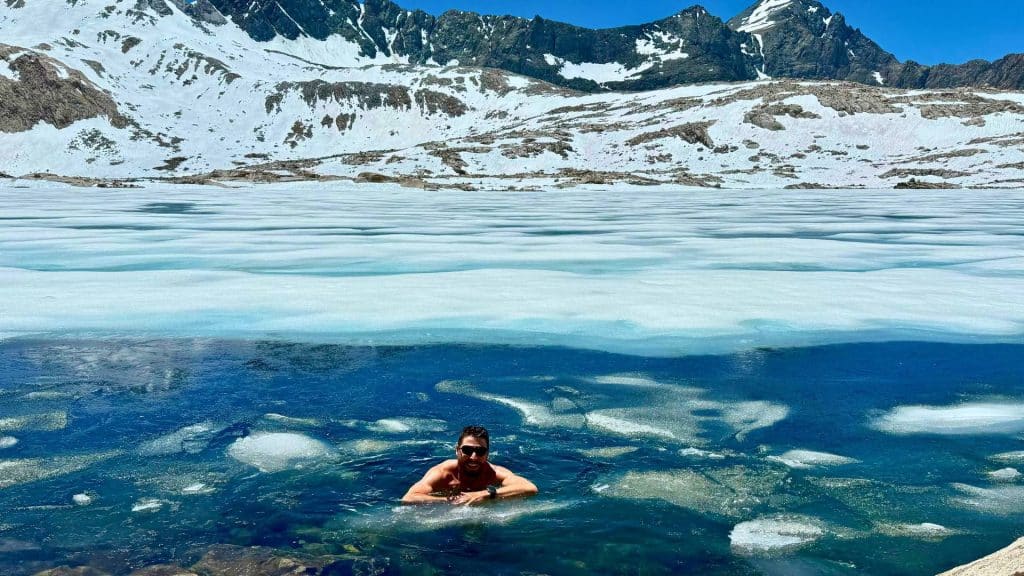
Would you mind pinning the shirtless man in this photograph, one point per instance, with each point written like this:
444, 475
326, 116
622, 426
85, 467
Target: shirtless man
470, 478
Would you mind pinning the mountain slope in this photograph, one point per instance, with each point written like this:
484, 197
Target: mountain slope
804, 39
692, 46
158, 89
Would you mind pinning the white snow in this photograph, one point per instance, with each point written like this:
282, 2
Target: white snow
598, 72
964, 419
879, 79
760, 18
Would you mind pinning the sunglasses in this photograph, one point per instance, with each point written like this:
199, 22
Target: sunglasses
470, 450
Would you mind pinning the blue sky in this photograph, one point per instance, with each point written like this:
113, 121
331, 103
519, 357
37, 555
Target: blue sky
929, 31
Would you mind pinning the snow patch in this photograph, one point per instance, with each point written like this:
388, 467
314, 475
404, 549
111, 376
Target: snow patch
760, 18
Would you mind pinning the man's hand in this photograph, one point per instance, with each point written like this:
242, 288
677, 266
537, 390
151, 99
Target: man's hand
470, 498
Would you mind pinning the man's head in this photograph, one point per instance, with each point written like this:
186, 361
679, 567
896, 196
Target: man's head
472, 448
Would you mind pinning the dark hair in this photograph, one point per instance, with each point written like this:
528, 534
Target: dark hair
478, 432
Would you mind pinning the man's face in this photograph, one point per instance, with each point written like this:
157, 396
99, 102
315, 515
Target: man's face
472, 454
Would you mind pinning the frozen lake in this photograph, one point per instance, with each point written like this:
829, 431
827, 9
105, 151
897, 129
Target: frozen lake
700, 382
662, 273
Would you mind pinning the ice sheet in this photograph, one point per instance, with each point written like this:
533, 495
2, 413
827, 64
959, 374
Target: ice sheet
658, 273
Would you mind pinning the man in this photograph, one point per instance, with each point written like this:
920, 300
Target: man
470, 478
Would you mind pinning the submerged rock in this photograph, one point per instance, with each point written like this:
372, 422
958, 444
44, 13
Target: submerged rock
228, 560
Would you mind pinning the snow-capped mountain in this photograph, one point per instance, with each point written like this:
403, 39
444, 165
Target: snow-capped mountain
804, 39
118, 89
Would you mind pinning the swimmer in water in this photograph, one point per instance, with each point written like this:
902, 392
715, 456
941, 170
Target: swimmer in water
470, 478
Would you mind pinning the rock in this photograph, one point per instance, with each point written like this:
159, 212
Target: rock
1007, 562
228, 560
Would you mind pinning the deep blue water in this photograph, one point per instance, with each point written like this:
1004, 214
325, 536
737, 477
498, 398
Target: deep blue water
596, 514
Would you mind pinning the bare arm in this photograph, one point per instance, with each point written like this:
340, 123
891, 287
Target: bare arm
423, 491
512, 486
509, 486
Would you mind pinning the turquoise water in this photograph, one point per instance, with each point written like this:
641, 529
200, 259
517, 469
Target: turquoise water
694, 448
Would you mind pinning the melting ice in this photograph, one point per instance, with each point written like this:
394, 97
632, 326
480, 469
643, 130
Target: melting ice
654, 272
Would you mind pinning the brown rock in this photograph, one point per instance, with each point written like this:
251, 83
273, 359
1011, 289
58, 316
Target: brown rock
227, 560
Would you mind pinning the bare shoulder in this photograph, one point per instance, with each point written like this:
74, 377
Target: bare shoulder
444, 468
501, 472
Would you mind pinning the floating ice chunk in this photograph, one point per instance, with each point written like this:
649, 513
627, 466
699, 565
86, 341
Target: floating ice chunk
290, 421
46, 422
923, 531
698, 453
27, 470
610, 452
730, 492
82, 499
1009, 457
774, 534
420, 518
1005, 474
406, 425
562, 405
197, 488
7, 441
373, 446
965, 419
533, 413
276, 451
810, 459
148, 505
1004, 500
634, 380
609, 421
745, 417
189, 440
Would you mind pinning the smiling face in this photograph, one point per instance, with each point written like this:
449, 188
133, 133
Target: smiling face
472, 454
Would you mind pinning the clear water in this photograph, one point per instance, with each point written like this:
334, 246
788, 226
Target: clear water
122, 397
751, 383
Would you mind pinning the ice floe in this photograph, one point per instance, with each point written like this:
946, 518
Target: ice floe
775, 534
276, 451
46, 422
533, 413
1004, 474
188, 440
82, 499
729, 492
622, 422
418, 518
149, 505
922, 531
1009, 457
292, 421
1002, 500
810, 459
7, 442
608, 453
407, 425
27, 470
964, 419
